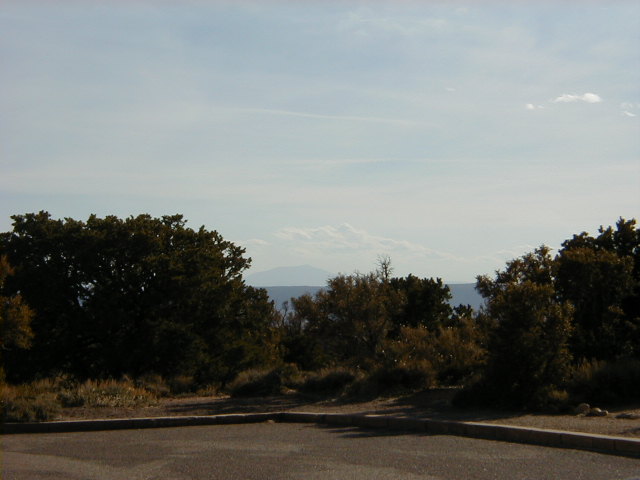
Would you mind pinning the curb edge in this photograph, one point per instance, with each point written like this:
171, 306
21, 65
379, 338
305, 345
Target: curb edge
613, 445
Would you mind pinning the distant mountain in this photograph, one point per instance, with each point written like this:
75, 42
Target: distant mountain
465, 294
279, 295
462, 293
289, 277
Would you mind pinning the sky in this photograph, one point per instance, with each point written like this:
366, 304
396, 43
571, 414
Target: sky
450, 137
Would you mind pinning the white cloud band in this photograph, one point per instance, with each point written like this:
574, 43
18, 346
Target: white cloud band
586, 97
345, 238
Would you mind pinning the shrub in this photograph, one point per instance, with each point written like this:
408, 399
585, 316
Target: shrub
455, 352
608, 382
181, 384
327, 381
479, 393
391, 380
528, 348
458, 353
551, 399
106, 393
154, 384
174, 385
260, 382
255, 382
210, 390
42, 400
416, 376
28, 403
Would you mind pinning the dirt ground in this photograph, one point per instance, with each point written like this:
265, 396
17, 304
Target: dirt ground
434, 404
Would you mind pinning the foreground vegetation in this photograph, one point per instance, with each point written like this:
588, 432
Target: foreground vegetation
602, 383
164, 309
43, 399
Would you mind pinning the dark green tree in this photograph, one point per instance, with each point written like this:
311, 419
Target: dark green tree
528, 347
596, 282
349, 321
600, 276
15, 315
138, 295
363, 320
300, 334
15, 318
426, 302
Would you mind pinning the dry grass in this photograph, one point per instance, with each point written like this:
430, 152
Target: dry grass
43, 400
34, 402
106, 393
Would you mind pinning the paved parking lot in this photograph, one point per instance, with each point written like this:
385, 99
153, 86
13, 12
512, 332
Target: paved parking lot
293, 451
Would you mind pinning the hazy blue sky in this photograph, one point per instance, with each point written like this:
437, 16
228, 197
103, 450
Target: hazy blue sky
449, 136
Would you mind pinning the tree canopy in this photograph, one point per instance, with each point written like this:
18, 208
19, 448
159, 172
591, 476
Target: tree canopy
141, 294
528, 347
553, 314
108, 296
600, 276
361, 319
15, 318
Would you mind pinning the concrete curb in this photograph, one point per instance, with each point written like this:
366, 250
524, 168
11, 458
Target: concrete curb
552, 438
134, 423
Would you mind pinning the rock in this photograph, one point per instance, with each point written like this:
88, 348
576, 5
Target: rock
596, 412
582, 409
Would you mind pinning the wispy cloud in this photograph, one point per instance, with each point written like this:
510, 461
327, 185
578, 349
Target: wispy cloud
571, 98
352, 118
364, 22
345, 238
252, 242
500, 257
346, 248
627, 107
567, 98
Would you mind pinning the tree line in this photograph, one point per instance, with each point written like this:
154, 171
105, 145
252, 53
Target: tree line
111, 296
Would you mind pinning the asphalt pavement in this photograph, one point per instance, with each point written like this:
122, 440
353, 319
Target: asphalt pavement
278, 451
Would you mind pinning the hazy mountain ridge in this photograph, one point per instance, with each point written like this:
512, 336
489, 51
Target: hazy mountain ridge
289, 277
462, 293
465, 294
284, 283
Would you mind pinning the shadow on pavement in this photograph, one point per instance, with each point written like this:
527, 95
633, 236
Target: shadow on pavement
364, 432
221, 406
433, 404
